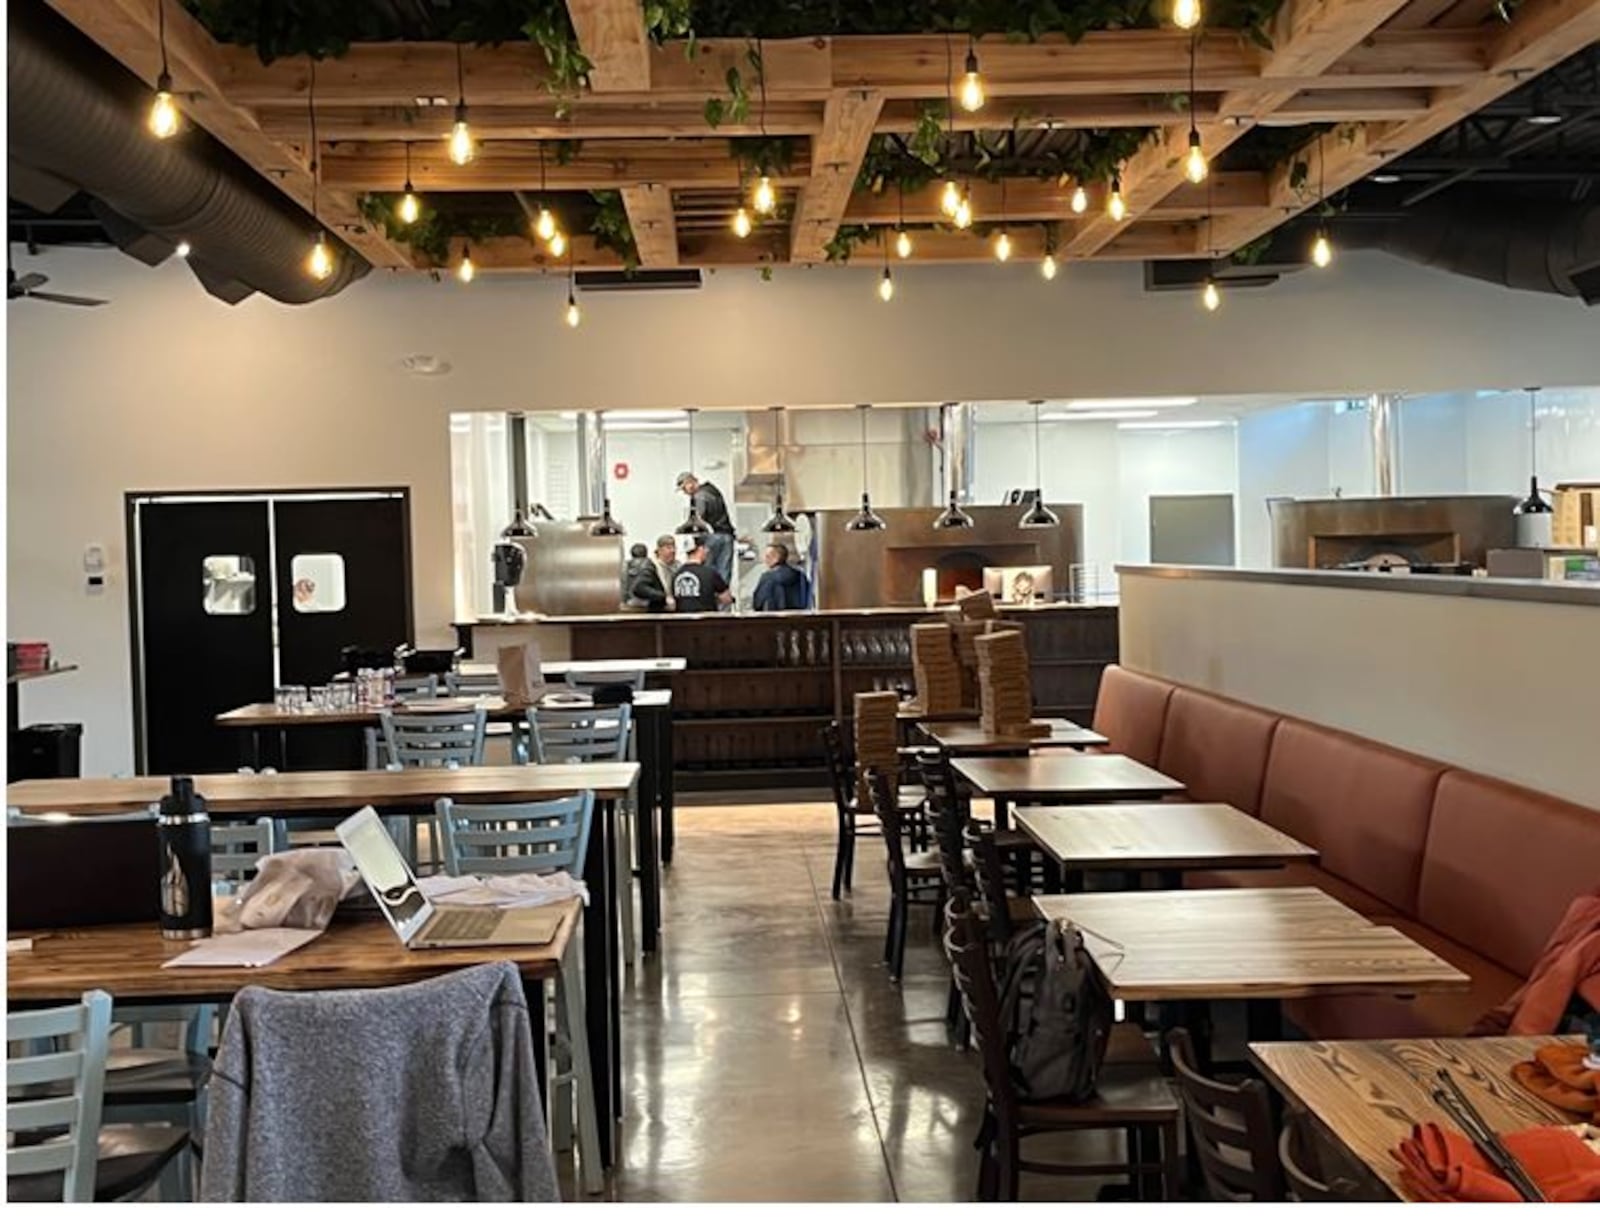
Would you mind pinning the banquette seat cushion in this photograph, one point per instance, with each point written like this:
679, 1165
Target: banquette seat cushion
1130, 711
1217, 747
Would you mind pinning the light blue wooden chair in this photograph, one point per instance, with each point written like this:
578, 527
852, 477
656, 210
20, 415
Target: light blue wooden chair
56, 1148
533, 837
429, 739
237, 847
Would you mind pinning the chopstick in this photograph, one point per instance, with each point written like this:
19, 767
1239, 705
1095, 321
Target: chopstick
1455, 1103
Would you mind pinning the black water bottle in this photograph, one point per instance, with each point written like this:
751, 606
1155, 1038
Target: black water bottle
183, 829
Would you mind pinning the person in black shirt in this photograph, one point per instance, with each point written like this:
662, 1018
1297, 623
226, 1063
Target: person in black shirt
652, 587
698, 586
781, 586
713, 510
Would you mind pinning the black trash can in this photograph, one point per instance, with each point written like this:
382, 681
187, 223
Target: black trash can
45, 751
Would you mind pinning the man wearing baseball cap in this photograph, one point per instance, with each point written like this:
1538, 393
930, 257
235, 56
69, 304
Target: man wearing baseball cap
714, 510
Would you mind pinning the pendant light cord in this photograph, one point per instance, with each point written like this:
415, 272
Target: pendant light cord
161, 33
1038, 468
865, 487
949, 101
311, 111
408, 165
1194, 47
461, 79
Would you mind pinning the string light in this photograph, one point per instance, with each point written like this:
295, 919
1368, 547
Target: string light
741, 222
902, 243
464, 269
164, 119
1115, 206
764, 199
1322, 249
558, 244
410, 207
574, 315
886, 281
963, 216
461, 146
1194, 162
183, 249
1002, 246
950, 198
971, 82
1080, 200
319, 262
1186, 14
1209, 296
544, 224
1049, 267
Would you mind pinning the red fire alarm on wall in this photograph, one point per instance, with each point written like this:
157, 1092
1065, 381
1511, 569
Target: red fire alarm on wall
619, 470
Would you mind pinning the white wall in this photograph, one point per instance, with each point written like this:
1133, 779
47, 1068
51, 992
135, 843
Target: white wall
167, 389
1451, 678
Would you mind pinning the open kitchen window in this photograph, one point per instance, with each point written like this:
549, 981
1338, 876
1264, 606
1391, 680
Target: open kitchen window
318, 583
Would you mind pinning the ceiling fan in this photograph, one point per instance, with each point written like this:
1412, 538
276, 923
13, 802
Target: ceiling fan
27, 286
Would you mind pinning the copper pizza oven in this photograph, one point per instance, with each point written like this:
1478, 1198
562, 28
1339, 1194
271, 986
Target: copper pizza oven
1390, 531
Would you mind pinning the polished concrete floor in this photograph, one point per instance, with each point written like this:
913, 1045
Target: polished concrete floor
767, 1055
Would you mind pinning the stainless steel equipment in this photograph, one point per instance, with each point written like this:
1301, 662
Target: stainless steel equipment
570, 571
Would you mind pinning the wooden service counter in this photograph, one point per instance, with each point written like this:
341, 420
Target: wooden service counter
749, 709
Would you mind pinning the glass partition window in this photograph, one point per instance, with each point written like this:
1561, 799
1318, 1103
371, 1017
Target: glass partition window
229, 584
318, 583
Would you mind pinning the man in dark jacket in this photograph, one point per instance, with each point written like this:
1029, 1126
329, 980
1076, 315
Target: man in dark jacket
714, 510
782, 586
652, 587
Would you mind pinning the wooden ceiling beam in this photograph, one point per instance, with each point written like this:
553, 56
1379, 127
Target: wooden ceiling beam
655, 229
513, 167
898, 67
126, 30
1308, 37
848, 121
1031, 200
1541, 34
612, 34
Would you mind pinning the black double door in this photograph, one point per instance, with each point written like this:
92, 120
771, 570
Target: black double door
235, 595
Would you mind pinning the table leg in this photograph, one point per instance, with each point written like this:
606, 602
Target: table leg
601, 955
1263, 1020
1002, 813
665, 783
649, 851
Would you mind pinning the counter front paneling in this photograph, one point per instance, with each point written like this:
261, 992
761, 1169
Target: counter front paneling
749, 709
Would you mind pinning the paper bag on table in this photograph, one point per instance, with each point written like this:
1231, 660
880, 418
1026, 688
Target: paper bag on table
521, 679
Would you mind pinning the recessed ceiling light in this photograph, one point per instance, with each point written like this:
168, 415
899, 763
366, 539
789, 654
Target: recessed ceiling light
1544, 119
1083, 417
1386, 179
424, 365
1096, 404
1164, 425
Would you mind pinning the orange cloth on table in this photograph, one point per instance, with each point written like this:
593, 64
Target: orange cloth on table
1442, 1166
1570, 962
1557, 1075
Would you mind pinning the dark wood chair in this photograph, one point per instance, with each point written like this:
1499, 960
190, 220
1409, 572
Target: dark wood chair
853, 820
1231, 1129
1132, 1096
1005, 913
915, 878
1308, 1175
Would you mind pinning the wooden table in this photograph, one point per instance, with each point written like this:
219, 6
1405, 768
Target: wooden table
1167, 838
968, 738
1063, 778
1366, 1095
652, 714
412, 793
355, 951
1260, 946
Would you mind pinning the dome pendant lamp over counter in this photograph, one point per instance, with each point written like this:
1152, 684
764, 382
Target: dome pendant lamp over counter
866, 519
1039, 516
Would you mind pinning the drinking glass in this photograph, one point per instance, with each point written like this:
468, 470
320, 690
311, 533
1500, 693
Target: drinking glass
283, 699
321, 700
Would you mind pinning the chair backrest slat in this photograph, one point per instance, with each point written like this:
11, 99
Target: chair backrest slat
532, 837
425, 686
581, 734
473, 684
69, 1122
970, 962
888, 813
1232, 1129
841, 771
237, 848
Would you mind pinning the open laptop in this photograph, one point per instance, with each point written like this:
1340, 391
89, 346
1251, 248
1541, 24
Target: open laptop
415, 920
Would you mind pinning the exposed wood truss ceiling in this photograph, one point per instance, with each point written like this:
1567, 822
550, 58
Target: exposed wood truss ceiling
1379, 77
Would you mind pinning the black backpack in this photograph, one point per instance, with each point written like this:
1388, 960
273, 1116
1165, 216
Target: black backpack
1056, 1014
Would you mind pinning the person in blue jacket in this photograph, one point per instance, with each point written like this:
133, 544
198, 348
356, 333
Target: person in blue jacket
782, 586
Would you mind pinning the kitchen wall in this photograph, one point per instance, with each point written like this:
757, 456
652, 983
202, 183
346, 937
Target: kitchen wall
167, 389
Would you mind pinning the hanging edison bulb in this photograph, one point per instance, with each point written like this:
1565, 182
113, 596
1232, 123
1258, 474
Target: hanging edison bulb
950, 197
1186, 14
1210, 297
465, 270
461, 146
902, 243
1194, 161
963, 217
1002, 246
886, 286
410, 207
1049, 267
1322, 249
971, 84
544, 225
1080, 200
1116, 207
764, 199
558, 244
574, 314
741, 222
164, 119
320, 261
